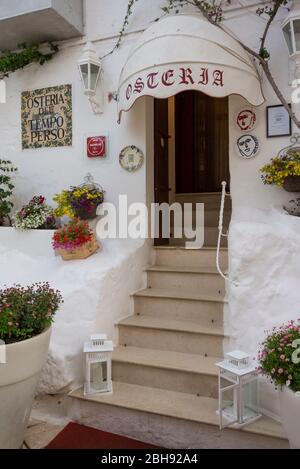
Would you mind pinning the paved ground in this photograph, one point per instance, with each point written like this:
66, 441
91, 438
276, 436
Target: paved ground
39, 434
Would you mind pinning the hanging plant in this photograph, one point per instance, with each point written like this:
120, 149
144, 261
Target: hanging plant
6, 189
26, 54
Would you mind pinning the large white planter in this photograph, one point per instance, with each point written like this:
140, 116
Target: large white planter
18, 381
290, 413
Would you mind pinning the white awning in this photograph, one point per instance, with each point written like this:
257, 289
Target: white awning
186, 52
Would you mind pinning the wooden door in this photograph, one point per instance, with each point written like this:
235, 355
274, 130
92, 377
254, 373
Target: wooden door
202, 142
161, 155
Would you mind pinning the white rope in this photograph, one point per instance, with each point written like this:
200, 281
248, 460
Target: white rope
222, 235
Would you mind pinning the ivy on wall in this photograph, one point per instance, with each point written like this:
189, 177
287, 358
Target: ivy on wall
25, 55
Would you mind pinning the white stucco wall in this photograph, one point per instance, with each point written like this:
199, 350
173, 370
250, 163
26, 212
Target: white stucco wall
262, 240
88, 288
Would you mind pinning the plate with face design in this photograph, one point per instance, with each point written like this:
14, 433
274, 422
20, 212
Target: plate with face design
247, 146
131, 158
246, 120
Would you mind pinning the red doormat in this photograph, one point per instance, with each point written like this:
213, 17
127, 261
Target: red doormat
76, 436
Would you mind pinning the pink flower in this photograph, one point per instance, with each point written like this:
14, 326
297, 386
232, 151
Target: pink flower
280, 371
282, 357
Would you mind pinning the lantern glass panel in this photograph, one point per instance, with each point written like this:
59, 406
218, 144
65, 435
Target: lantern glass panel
228, 406
99, 376
94, 76
297, 34
85, 75
249, 400
287, 31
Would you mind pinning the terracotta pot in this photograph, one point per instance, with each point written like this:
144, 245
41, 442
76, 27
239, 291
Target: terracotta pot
86, 215
292, 184
290, 414
18, 380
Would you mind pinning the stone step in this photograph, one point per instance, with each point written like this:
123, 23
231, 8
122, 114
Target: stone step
213, 198
169, 419
211, 217
177, 256
188, 278
175, 371
210, 238
176, 336
167, 304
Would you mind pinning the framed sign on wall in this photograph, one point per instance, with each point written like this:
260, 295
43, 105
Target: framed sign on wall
279, 123
46, 116
96, 147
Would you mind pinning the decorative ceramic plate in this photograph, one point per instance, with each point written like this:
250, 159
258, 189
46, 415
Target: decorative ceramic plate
246, 119
131, 158
247, 146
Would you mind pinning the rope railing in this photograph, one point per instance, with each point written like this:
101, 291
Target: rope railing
222, 234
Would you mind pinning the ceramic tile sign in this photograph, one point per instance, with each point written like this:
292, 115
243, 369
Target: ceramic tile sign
47, 117
247, 146
96, 147
246, 120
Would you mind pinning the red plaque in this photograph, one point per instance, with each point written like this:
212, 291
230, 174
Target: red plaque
96, 147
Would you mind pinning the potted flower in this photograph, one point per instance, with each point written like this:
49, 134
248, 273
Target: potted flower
80, 201
283, 171
75, 240
26, 314
35, 215
6, 190
279, 360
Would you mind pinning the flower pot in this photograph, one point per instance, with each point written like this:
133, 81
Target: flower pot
84, 214
18, 380
290, 413
292, 184
85, 251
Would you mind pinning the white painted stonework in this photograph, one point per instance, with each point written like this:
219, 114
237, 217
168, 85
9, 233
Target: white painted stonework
89, 289
263, 244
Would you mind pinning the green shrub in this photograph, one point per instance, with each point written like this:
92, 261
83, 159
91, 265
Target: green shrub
26, 311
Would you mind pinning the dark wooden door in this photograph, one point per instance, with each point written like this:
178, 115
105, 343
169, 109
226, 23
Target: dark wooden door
202, 142
161, 155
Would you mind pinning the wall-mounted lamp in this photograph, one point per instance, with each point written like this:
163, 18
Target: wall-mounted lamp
90, 69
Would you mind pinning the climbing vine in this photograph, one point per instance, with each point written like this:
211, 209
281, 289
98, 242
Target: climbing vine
129, 12
213, 11
25, 55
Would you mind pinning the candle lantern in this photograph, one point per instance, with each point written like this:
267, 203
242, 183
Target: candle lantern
98, 377
238, 390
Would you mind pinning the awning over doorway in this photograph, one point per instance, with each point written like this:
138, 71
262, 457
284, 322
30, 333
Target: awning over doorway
186, 52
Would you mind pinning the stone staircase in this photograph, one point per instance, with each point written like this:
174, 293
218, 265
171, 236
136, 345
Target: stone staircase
164, 373
211, 203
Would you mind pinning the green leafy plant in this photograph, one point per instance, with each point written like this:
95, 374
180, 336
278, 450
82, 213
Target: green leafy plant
35, 215
6, 189
280, 168
279, 356
27, 54
27, 311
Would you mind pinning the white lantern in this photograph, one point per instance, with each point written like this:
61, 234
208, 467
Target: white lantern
238, 390
291, 31
98, 376
90, 68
